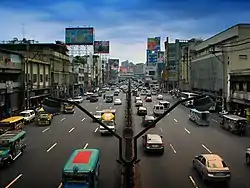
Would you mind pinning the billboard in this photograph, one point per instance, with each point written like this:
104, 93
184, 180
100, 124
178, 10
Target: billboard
152, 58
161, 57
101, 47
79, 36
123, 69
154, 44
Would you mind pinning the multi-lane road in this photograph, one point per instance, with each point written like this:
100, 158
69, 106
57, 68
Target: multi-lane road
184, 140
49, 148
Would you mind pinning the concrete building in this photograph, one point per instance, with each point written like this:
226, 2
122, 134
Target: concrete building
174, 58
139, 69
186, 53
11, 82
125, 63
211, 63
46, 67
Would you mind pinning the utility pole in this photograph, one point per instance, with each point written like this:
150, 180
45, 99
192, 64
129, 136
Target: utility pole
26, 72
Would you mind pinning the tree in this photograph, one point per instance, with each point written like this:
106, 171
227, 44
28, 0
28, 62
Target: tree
78, 60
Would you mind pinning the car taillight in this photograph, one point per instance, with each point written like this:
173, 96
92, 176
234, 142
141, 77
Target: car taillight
147, 145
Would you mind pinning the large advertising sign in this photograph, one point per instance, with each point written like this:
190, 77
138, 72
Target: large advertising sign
160, 67
161, 58
152, 57
79, 36
154, 43
123, 69
101, 47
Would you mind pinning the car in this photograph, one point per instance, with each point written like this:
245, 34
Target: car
148, 99
93, 99
158, 109
143, 93
98, 115
153, 92
160, 97
146, 120
28, 115
153, 143
141, 111
117, 102
77, 99
211, 167
137, 99
138, 103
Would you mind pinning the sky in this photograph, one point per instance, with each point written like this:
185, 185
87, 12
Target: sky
125, 23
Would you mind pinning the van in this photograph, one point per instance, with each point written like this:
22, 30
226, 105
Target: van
158, 109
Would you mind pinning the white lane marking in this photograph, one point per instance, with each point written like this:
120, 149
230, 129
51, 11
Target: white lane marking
96, 129
71, 129
14, 180
86, 145
83, 119
175, 120
187, 131
17, 156
206, 148
172, 148
63, 119
96, 107
215, 120
110, 107
48, 150
161, 129
60, 185
45, 130
91, 112
193, 182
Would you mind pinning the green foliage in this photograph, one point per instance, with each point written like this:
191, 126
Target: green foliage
77, 60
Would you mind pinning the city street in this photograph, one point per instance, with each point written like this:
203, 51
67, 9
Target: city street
48, 149
184, 140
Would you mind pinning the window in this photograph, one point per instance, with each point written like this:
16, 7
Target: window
46, 78
41, 77
34, 78
241, 86
243, 57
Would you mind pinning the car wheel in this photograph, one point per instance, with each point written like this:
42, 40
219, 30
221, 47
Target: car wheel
247, 159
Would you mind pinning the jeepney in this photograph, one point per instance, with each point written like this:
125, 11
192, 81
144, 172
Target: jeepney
166, 104
68, 108
12, 145
44, 118
11, 123
82, 169
108, 118
201, 118
235, 124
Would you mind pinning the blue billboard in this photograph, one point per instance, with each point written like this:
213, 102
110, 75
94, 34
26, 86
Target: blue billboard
152, 58
79, 36
160, 67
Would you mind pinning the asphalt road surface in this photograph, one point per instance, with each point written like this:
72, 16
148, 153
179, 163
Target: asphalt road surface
48, 149
184, 140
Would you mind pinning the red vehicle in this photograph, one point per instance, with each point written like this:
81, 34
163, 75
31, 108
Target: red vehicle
148, 99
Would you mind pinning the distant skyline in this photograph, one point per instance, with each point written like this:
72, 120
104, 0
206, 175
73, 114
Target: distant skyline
126, 24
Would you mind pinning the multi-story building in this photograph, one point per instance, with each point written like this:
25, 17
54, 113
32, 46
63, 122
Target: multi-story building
46, 67
139, 69
125, 63
174, 61
218, 58
186, 53
11, 82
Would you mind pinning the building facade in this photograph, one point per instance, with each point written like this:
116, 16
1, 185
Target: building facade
46, 69
139, 69
215, 61
11, 82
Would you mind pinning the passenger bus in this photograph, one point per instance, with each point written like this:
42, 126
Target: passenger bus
82, 169
186, 95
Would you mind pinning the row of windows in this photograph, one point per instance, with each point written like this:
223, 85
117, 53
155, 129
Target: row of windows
240, 86
80, 78
41, 78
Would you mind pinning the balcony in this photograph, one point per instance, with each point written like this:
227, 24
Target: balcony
15, 85
242, 95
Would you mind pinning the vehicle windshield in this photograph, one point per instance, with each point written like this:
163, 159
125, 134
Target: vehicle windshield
79, 177
78, 97
98, 113
24, 114
108, 123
